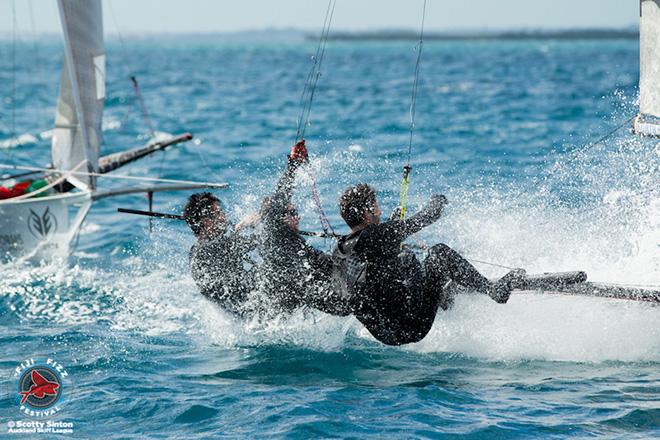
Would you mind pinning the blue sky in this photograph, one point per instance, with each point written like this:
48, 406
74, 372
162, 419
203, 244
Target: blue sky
189, 16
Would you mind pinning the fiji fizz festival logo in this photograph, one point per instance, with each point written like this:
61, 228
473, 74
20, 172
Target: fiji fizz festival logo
40, 387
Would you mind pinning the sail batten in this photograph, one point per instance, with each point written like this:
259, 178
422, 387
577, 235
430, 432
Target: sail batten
648, 121
77, 135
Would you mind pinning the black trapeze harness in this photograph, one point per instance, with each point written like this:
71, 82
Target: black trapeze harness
349, 272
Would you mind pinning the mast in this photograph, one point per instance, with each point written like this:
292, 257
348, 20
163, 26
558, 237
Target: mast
77, 135
647, 122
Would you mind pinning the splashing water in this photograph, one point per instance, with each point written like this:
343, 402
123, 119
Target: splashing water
149, 355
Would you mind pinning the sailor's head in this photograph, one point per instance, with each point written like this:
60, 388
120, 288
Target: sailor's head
358, 206
205, 216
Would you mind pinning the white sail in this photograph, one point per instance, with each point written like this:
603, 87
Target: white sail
648, 121
77, 134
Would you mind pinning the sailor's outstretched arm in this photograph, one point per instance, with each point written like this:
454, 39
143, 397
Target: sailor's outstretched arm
427, 216
284, 189
274, 208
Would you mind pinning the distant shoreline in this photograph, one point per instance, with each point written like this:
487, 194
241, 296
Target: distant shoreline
568, 34
288, 35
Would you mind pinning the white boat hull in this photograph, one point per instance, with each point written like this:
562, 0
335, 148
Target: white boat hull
643, 127
41, 228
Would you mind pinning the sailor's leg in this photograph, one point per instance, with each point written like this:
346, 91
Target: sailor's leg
444, 264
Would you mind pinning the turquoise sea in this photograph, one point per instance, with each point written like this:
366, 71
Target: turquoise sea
501, 130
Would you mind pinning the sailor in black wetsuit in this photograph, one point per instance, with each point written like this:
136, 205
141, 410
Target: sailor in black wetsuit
294, 274
394, 295
219, 261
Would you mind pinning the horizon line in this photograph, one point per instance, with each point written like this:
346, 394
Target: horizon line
457, 32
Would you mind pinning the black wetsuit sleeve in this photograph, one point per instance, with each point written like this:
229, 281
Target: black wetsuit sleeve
319, 260
276, 207
426, 217
279, 203
246, 243
399, 230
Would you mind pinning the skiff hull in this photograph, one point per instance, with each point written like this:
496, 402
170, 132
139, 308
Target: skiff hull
41, 228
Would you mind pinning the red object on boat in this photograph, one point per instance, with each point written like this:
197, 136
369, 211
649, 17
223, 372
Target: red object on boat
17, 190
20, 188
5, 193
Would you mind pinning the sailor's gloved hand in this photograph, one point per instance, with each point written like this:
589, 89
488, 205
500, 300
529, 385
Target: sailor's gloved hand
438, 201
298, 154
396, 213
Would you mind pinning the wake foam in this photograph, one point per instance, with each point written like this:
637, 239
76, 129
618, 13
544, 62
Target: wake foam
161, 302
547, 327
600, 214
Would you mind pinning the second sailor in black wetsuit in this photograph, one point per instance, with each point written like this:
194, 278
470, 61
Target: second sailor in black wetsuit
219, 261
391, 293
293, 273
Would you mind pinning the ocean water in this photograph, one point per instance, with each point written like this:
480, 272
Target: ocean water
501, 131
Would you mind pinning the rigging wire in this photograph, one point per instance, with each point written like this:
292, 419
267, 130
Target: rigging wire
502, 266
125, 64
205, 163
307, 96
413, 97
147, 119
13, 138
136, 92
576, 153
143, 107
110, 176
130, 73
488, 263
421, 245
35, 46
325, 224
13, 69
405, 180
306, 100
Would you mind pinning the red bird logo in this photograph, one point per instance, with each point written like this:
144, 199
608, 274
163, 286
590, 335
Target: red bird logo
40, 387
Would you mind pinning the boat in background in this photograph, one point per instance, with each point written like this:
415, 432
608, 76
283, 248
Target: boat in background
647, 122
41, 220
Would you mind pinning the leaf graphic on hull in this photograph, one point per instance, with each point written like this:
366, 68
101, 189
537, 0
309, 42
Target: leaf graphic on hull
45, 221
42, 226
35, 222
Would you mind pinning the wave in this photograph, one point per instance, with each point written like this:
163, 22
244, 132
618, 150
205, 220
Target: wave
599, 213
